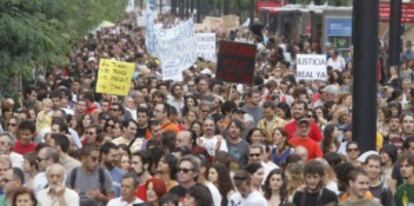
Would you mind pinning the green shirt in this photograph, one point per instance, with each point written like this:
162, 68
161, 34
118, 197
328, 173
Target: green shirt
404, 195
3, 201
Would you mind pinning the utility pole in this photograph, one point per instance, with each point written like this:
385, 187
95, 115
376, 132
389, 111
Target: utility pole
395, 34
365, 41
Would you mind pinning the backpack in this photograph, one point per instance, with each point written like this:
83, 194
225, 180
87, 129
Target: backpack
101, 179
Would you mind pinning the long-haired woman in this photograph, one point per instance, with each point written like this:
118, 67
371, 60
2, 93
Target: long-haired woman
275, 188
219, 175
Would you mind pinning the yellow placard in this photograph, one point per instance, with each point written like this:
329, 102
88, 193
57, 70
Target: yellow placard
114, 77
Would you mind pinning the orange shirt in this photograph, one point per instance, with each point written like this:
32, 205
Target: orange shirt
170, 126
314, 149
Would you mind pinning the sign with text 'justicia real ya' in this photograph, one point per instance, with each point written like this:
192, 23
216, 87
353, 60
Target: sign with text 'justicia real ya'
311, 67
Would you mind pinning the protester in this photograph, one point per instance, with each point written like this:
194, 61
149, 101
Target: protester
56, 190
202, 140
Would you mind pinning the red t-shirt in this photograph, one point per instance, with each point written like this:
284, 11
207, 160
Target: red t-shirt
90, 110
141, 192
314, 131
314, 149
23, 149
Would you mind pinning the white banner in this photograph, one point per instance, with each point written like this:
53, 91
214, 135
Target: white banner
206, 46
130, 6
311, 67
142, 20
174, 47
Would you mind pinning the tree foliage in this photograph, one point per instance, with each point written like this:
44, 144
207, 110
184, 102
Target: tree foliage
38, 33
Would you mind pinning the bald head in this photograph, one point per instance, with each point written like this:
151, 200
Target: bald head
184, 139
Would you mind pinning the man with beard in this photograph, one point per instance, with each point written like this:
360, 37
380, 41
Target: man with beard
394, 135
93, 183
176, 98
141, 163
57, 192
407, 125
143, 130
302, 139
298, 109
314, 192
405, 193
238, 147
109, 157
358, 186
253, 98
210, 140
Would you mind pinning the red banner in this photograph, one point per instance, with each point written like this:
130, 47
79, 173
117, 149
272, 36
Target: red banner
260, 5
407, 12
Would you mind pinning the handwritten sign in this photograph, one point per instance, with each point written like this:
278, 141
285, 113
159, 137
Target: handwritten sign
236, 62
231, 22
311, 67
206, 46
114, 77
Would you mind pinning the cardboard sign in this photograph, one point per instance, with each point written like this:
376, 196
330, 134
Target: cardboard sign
231, 22
213, 23
114, 77
236, 62
311, 67
206, 46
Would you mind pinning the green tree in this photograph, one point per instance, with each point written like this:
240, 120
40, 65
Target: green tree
38, 33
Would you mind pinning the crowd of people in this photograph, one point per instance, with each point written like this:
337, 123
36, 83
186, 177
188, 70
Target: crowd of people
204, 142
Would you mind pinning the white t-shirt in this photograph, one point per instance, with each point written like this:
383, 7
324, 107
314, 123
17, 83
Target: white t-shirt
39, 182
119, 202
210, 144
215, 193
338, 64
254, 199
70, 196
16, 159
268, 167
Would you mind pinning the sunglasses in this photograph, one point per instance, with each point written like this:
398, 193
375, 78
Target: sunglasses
111, 126
353, 149
254, 154
184, 170
114, 109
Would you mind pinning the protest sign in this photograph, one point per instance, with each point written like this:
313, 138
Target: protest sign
236, 62
206, 46
174, 47
141, 21
311, 67
213, 23
114, 77
231, 22
130, 6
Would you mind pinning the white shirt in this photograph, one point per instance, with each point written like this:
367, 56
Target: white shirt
254, 199
39, 182
210, 144
70, 196
215, 193
268, 167
338, 64
16, 160
119, 202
